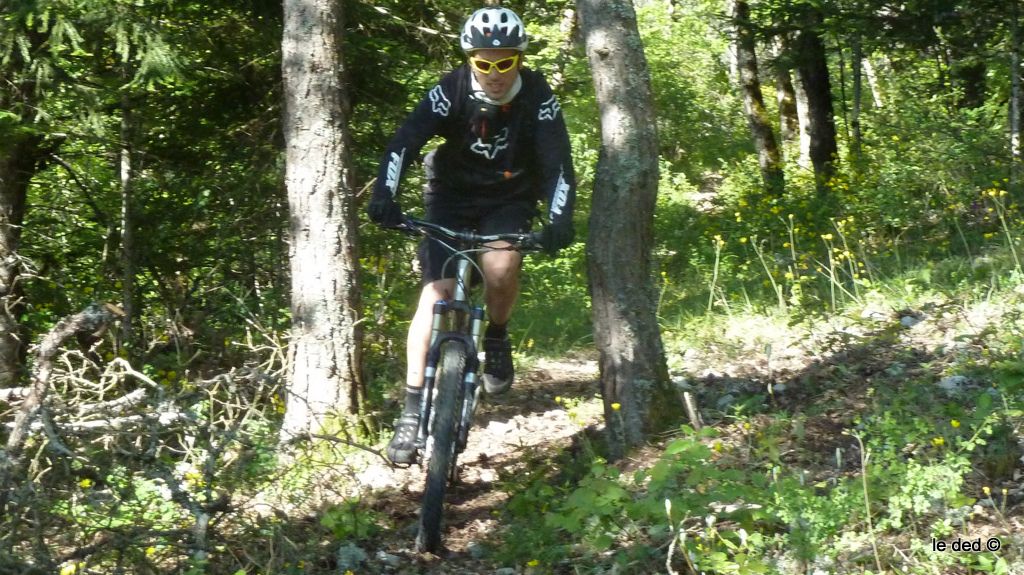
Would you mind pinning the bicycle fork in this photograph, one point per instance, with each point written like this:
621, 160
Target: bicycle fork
470, 387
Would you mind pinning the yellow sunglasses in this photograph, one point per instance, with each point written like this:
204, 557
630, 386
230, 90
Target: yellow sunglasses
502, 66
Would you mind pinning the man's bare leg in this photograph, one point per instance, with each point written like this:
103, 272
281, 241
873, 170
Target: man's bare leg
501, 270
402, 448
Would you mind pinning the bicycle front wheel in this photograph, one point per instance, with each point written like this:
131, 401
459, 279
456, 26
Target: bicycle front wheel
451, 370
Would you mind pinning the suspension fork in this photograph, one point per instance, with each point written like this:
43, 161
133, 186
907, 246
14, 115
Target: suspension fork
470, 387
430, 372
470, 343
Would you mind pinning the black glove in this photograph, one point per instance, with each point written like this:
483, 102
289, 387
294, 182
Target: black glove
557, 236
385, 211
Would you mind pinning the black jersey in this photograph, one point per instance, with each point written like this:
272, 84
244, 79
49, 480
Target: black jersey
491, 153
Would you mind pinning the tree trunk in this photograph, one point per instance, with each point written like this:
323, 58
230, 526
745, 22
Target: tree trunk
19, 160
1015, 104
638, 398
325, 360
967, 74
876, 87
857, 57
768, 156
785, 95
127, 251
812, 68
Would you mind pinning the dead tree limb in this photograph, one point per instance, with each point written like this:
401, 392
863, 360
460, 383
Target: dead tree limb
89, 322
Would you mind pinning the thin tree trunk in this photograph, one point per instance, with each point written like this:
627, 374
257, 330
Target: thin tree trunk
18, 164
785, 94
876, 88
814, 78
1015, 103
324, 371
857, 56
127, 251
769, 158
804, 119
638, 399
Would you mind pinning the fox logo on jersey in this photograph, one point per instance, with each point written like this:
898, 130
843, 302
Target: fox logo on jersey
439, 103
490, 148
549, 109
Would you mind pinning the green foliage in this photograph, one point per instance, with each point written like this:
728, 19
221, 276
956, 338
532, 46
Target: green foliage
927, 208
350, 520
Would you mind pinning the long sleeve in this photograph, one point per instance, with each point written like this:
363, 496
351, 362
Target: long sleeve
554, 157
425, 121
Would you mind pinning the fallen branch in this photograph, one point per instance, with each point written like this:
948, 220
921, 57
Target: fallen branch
89, 322
14, 394
165, 415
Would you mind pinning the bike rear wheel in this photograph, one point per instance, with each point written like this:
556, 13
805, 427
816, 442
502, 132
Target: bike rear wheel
451, 370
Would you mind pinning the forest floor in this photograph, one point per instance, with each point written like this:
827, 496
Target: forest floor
827, 369
527, 424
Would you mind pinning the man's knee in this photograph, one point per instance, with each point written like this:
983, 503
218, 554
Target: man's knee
501, 268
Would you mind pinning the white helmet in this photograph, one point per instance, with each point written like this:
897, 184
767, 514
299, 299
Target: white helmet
494, 28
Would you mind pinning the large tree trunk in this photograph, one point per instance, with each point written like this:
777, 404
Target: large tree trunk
768, 156
638, 398
324, 372
812, 68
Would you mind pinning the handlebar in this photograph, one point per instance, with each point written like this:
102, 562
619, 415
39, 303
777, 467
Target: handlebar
523, 242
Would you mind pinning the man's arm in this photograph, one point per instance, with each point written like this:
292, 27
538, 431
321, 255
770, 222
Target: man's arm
422, 124
557, 178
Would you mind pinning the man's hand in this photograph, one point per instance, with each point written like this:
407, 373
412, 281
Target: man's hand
385, 211
557, 236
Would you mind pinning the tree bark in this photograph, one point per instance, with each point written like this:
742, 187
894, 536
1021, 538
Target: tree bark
785, 95
1015, 103
325, 359
127, 251
768, 157
638, 398
19, 161
876, 88
803, 108
812, 68
857, 56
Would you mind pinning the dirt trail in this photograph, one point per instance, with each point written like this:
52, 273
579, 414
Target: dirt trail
510, 431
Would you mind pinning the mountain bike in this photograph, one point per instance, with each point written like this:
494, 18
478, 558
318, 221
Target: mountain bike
451, 391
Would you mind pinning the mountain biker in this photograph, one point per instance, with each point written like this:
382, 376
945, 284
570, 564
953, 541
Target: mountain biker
505, 150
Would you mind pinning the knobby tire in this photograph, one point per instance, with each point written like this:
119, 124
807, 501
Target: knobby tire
451, 369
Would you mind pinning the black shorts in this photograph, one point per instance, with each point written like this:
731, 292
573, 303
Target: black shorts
462, 214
